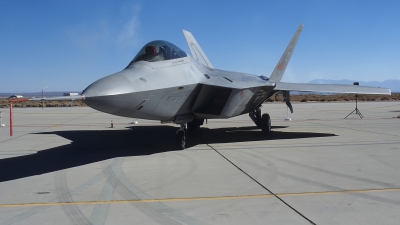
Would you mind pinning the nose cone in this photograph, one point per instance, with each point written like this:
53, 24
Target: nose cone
109, 93
114, 84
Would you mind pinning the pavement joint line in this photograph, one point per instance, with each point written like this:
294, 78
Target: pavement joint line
330, 144
213, 198
276, 196
338, 192
354, 129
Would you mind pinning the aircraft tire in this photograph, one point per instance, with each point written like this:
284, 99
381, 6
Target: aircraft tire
180, 139
266, 123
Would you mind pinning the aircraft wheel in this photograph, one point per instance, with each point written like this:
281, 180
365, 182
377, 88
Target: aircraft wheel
266, 123
180, 139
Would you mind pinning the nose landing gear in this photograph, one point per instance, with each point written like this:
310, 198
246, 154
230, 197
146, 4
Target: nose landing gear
192, 127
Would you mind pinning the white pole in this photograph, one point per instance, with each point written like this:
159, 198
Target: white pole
287, 113
1, 120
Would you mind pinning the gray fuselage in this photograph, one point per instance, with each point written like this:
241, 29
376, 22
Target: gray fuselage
164, 90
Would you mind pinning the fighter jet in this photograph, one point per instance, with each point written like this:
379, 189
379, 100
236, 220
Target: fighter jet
164, 83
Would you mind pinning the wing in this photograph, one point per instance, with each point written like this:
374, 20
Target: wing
331, 88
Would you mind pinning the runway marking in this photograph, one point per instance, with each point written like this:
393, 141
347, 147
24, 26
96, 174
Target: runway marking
215, 198
135, 201
339, 192
265, 188
349, 128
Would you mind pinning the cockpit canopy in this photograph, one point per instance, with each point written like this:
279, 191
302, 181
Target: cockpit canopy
158, 51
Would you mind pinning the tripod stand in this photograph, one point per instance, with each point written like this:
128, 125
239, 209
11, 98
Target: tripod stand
356, 111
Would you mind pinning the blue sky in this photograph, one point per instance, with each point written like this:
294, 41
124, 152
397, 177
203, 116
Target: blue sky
67, 45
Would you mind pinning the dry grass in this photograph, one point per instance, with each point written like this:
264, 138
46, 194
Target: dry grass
4, 103
335, 98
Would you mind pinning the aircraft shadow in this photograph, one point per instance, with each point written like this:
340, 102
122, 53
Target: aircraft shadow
89, 146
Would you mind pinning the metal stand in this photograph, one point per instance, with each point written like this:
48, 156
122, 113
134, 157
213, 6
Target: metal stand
356, 111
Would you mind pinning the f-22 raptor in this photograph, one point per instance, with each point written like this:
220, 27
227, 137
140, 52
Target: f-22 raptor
164, 83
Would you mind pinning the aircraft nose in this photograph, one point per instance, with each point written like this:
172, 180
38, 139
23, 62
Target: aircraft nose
114, 84
109, 93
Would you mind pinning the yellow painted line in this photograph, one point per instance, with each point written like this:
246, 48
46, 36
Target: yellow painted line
338, 192
136, 201
195, 199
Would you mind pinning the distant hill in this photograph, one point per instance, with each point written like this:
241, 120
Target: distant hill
393, 85
37, 94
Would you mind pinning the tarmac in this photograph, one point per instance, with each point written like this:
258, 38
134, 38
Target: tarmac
68, 166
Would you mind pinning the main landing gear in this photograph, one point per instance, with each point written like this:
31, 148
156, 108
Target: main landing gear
266, 123
263, 122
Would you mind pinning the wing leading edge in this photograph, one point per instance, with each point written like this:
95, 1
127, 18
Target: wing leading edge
331, 88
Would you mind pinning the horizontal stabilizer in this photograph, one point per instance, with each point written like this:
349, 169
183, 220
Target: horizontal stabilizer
61, 98
197, 52
331, 88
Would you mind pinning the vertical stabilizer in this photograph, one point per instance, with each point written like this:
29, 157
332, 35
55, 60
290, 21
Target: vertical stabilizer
283, 62
196, 50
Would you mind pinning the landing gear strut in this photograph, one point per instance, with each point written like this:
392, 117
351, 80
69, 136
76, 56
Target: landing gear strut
255, 115
180, 138
263, 122
193, 126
